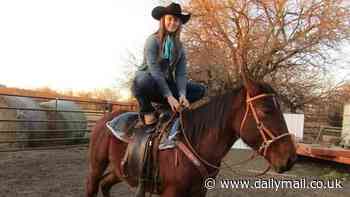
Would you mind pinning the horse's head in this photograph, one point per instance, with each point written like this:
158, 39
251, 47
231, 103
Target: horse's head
263, 126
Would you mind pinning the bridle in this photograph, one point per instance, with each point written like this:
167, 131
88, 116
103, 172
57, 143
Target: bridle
268, 137
264, 132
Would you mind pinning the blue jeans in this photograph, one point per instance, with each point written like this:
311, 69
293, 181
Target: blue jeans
145, 89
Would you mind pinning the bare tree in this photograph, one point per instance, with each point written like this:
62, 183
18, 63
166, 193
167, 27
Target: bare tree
284, 42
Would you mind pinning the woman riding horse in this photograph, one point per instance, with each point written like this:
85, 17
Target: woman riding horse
249, 112
162, 76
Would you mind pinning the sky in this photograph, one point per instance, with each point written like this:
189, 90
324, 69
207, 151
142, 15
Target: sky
76, 44
70, 44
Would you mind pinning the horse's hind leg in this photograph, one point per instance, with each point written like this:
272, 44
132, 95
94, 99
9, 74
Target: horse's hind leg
107, 182
97, 164
93, 179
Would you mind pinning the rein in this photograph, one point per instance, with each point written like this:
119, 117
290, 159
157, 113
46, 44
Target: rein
264, 131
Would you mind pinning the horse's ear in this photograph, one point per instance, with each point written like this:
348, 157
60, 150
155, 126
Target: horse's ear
248, 84
244, 73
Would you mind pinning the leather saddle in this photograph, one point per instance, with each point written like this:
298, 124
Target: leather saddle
140, 162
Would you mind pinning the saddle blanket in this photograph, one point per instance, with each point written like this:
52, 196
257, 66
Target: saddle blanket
122, 128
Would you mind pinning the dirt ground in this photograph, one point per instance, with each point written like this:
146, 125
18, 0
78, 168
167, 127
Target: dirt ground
61, 173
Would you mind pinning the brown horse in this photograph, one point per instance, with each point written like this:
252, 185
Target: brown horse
250, 112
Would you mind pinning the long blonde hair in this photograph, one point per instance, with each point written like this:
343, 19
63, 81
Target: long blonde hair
162, 33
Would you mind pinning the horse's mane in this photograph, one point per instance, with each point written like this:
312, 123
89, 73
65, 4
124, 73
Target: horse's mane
214, 114
211, 115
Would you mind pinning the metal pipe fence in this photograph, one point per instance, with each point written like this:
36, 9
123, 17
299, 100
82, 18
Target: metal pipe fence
93, 110
60, 137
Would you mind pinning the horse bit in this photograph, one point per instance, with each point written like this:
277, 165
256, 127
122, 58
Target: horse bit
264, 131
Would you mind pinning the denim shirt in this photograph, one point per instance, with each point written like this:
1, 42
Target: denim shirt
164, 71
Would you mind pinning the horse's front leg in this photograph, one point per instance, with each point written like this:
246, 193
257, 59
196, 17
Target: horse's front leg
107, 182
92, 182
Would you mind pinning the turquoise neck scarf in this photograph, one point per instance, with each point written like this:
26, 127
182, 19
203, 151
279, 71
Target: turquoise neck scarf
168, 48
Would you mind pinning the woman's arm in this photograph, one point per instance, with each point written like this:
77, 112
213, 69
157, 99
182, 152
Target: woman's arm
151, 52
181, 73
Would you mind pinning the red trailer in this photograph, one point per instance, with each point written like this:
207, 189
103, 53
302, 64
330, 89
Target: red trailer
331, 153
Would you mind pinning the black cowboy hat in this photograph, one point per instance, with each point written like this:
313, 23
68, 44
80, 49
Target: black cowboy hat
172, 9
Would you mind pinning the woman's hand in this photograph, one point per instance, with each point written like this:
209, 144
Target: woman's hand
174, 104
184, 101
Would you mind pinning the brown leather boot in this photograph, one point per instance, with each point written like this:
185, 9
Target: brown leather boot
150, 119
145, 120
